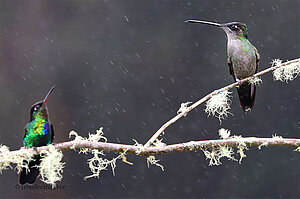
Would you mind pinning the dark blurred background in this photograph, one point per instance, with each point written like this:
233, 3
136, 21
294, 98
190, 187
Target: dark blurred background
127, 66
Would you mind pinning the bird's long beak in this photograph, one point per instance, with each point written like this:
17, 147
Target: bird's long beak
46, 98
203, 22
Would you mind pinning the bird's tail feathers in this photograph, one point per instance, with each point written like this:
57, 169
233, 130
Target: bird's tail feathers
30, 177
246, 94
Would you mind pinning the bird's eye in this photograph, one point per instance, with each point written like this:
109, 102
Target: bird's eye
36, 108
233, 27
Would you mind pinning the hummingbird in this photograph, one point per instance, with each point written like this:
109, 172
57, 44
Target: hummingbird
243, 59
38, 132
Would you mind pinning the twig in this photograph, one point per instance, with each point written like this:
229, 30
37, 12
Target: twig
188, 146
207, 97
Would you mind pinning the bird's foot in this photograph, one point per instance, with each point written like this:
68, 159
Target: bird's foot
34, 148
238, 81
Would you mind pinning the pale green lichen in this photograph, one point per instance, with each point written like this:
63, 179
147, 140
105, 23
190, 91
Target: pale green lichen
151, 160
158, 143
140, 147
96, 163
51, 167
241, 147
297, 149
287, 72
255, 81
183, 108
76, 140
92, 138
277, 137
242, 154
227, 152
212, 156
224, 133
217, 152
124, 158
21, 159
5, 160
219, 105
263, 144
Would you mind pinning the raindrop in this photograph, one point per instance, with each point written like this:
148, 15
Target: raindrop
134, 177
126, 18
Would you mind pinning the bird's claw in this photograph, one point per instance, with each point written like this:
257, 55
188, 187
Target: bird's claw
34, 148
239, 81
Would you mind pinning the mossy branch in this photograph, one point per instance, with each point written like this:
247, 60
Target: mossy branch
159, 150
287, 71
218, 104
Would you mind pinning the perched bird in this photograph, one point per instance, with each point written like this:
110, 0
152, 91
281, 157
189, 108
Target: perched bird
38, 132
243, 59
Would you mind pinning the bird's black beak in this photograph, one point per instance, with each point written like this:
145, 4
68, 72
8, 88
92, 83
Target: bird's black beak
204, 22
46, 98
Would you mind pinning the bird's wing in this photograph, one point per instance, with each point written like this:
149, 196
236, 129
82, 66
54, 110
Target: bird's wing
25, 130
257, 60
253, 87
52, 133
230, 67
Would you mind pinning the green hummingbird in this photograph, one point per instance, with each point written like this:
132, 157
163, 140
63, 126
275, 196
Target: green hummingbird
243, 59
38, 132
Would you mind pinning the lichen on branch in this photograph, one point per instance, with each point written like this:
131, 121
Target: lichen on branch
153, 161
51, 167
217, 152
219, 105
287, 71
6, 159
97, 163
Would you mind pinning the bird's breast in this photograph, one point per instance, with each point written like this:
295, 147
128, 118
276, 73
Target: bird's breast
243, 58
38, 134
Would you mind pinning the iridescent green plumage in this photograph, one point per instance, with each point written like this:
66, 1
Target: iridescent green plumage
38, 132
